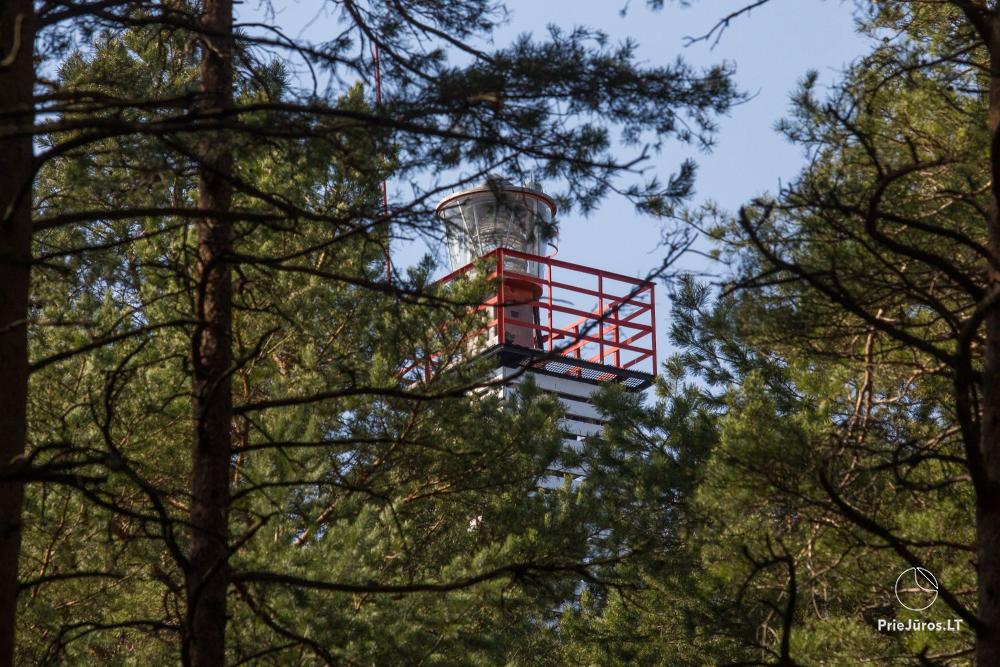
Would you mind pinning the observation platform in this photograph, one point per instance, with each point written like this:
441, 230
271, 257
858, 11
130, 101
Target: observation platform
565, 320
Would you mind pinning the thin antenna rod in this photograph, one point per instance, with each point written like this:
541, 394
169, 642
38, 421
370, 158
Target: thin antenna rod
385, 189
378, 103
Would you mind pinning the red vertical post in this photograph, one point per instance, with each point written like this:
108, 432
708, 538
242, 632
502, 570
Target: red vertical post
652, 322
600, 311
501, 299
618, 350
548, 280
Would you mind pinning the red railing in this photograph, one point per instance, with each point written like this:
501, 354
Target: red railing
538, 305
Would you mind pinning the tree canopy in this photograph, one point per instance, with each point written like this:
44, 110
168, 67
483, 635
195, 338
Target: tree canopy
218, 446
215, 454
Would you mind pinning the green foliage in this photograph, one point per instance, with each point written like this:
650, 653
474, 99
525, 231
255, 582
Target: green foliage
378, 516
827, 360
807, 446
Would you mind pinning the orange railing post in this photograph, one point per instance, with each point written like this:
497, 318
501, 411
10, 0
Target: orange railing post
600, 316
652, 321
548, 281
618, 350
501, 300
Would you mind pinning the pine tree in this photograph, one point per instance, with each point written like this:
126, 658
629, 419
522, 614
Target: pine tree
369, 518
852, 351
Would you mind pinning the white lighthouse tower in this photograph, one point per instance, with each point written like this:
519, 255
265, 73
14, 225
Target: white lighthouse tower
571, 327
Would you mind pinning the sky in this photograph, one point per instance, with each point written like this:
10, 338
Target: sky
772, 48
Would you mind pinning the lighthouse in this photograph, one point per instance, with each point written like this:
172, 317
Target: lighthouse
572, 328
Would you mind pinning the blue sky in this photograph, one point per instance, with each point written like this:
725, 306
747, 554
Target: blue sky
772, 48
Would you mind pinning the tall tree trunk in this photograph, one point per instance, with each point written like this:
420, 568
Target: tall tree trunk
988, 498
211, 350
17, 37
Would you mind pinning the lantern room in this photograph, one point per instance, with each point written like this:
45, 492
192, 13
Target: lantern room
495, 215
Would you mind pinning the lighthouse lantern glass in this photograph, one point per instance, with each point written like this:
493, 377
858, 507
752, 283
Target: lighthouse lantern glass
493, 216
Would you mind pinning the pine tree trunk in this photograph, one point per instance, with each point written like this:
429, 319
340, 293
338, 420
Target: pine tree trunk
207, 577
988, 498
16, 82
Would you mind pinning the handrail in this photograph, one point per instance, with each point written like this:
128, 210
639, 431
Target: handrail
603, 335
